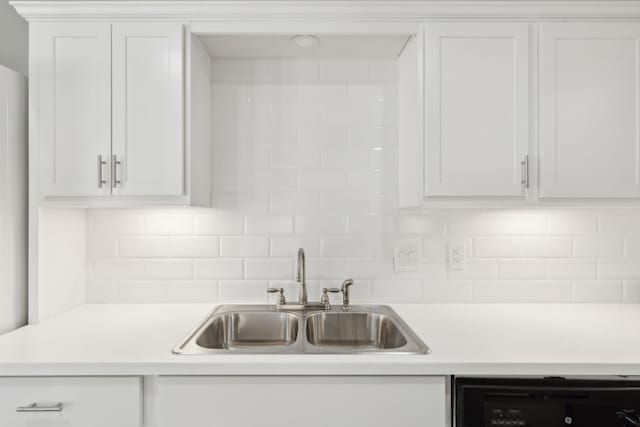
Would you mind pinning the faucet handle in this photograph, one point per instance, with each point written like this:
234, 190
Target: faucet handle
281, 299
325, 296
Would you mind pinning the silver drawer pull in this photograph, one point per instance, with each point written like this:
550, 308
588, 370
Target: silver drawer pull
114, 171
34, 407
101, 180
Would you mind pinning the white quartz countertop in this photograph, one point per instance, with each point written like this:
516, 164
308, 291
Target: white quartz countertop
465, 339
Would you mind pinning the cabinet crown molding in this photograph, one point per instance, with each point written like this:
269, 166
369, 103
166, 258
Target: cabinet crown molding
335, 10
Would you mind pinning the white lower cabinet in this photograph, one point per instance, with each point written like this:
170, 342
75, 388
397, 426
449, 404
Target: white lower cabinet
70, 402
311, 401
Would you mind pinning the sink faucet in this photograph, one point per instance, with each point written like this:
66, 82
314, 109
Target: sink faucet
300, 278
346, 303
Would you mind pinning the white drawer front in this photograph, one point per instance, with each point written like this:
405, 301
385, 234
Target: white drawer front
71, 402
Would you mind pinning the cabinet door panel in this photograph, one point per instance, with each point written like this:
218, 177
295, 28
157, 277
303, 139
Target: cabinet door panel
74, 107
476, 108
148, 109
589, 110
85, 401
315, 401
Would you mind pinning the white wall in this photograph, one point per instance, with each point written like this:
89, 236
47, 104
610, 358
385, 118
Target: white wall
13, 200
305, 155
13, 39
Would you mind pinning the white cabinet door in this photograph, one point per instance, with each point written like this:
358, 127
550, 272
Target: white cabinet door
589, 110
477, 131
73, 94
71, 402
317, 401
148, 109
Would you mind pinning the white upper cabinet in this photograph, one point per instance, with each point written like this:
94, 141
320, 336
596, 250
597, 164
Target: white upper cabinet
589, 110
110, 111
148, 152
73, 64
477, 108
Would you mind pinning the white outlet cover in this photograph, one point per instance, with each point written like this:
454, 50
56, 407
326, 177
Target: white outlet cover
457, 257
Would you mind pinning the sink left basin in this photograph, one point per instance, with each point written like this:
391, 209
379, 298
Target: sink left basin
248, 329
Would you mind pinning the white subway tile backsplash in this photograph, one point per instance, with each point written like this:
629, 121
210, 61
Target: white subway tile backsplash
194, 246
476, 269
294, 203
218, 269
113, 269
472, 225
597, 247
326, 269
320, 224
352, 247
597, 291
323, 136
231, 246
211, 224
632, 246
619, 268
161, 223
447, 291
272, 180
347, 113
396, 290
522, 225
234, 203
525, 247
192, 291
115, 223
369, 224
340, 70
365, 180
143, 247
420, 225
522, 269
288, 246
631, 291
384, 71
243, 291
269, 225
322, 92
572, 224
304, 154
573, 269
281, 269
322, 179
167, 269
295, 70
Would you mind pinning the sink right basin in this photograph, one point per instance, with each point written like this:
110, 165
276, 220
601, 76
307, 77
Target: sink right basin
354, 330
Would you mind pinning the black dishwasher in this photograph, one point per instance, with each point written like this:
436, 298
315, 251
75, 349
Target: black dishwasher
546, 402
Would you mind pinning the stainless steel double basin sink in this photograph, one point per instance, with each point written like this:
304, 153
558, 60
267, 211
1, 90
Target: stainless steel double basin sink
264, 329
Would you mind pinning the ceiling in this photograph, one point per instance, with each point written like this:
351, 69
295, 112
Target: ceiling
280, 46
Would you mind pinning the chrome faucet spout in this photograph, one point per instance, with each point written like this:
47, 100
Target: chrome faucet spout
346, 302
301, 278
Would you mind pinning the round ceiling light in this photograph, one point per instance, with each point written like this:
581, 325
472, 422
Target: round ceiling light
305, 41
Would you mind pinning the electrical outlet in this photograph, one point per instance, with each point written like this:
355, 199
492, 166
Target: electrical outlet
456, 257
406, 259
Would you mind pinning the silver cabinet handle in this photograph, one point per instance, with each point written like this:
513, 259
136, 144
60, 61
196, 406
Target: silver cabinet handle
34, 407
525, 172
114, 171
101, 163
